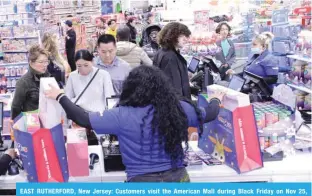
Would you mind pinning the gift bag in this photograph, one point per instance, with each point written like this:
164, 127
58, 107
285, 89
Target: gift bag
232, 137
77, 152
42, 151
50, 111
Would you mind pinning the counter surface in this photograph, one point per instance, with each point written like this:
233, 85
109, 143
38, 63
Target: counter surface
293, 168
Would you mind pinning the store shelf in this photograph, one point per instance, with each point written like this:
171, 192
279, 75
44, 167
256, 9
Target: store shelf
13, 64
304, 89
30, 37
300, 58
16, 51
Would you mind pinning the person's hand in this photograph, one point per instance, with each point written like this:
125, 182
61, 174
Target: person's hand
53, 92
225, 65
218, 95
229, 72
11, 152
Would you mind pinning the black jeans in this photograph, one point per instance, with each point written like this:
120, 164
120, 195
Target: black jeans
173, 175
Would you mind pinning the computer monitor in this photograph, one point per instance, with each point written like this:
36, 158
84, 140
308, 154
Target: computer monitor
111, 102
260, 82
193, 66
208, 62
236, 83
2, 146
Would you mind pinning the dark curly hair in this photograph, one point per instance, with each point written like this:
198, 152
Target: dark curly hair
168, 36
149, 86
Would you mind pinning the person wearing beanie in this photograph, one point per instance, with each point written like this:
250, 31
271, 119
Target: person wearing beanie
70, 44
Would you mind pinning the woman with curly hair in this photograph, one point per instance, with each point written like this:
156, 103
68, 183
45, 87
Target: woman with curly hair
58, 67
151, 140
171, 39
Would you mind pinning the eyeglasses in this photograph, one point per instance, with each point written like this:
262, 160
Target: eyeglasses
43, 62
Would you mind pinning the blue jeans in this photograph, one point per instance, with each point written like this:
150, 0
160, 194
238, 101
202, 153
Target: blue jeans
172, 175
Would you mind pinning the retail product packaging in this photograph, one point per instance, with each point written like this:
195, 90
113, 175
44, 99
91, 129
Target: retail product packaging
192, 134
278, 133
77, 152
49, 106
42, 150
307, 72
232, 138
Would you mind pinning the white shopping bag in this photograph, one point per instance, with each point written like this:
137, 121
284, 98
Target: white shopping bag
50, 111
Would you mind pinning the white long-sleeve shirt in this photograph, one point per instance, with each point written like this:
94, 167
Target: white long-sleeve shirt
94, 98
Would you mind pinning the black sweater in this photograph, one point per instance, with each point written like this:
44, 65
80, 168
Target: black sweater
5, 161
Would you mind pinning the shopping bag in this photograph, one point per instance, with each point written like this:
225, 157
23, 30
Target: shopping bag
77, 152
42, 151
50, 111
232, 137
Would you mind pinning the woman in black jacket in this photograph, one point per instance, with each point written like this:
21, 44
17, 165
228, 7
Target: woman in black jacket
172, 38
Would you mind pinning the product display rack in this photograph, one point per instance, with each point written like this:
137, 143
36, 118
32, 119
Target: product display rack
18, 33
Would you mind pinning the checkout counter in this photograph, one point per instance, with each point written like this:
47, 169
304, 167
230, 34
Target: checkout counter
294, 168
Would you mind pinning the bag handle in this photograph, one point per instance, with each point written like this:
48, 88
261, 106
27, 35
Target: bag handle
86, 86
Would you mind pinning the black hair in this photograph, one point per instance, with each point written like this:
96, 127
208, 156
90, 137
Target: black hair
130, 20
83, 54
123, 33
102, 20
218, 29
149, 86
111, 21
105, 39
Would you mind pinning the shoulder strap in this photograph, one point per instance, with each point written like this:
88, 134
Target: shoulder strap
87, 86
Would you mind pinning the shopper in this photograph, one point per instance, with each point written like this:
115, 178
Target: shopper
6, 159
172, 38
130, 52
227, 54
152, 47
112, 28
70, 44
147, 21
150, 122
26, 96
107, 60
58, 67
89, 83
101, 27
98, 90
133, 31
262, 62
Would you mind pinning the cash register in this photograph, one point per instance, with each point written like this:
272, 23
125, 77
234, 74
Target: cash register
110, 145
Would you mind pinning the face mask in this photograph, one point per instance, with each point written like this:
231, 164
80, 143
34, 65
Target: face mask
256, 50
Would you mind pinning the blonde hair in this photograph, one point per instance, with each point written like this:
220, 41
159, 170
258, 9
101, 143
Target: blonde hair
35, 51
264, 39
50, 44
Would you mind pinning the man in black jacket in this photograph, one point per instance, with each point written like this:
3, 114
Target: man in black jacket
6, 159
133, 31
70, 44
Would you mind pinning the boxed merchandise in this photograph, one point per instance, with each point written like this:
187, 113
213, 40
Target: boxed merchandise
41, 150
77, 152
232, 138
24, 31
14, 57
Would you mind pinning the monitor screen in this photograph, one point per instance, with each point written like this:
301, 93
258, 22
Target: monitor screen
111, 102
193, 65
236, 83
